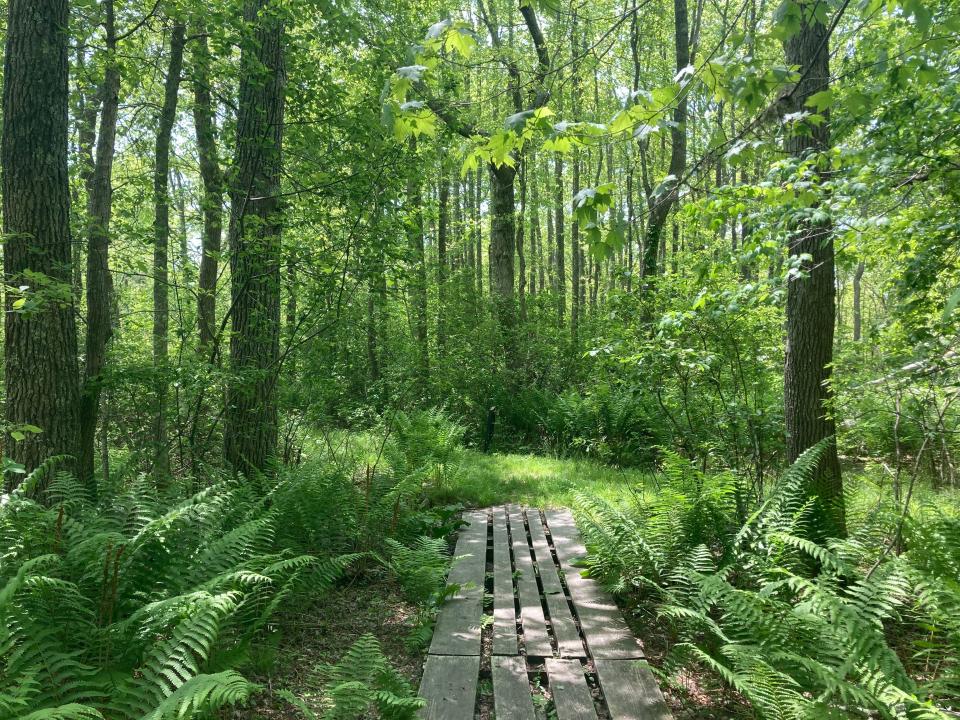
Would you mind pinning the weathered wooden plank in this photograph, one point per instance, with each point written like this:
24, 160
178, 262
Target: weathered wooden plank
571, 695
631, 690
536, 639
561, 619
511, 689
449, 685
504, 610
604, 628
458, 625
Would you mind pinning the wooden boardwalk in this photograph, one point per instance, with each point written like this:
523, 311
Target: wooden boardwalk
527, 626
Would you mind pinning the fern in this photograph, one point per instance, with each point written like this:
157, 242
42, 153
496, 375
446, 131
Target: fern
420, 568
363, 681
117, 606
746, 607
203, 694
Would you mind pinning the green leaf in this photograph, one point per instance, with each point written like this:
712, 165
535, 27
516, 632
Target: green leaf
952, 303
787, 18
820, 101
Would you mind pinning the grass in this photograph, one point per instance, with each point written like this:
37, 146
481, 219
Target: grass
482, 480
496, 479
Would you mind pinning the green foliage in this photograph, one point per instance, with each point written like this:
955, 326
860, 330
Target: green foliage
799, 629
143, 604
420, 568
361, 683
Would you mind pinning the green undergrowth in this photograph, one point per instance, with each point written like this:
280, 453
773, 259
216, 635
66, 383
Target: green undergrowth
534, 480
863, 627
454, 475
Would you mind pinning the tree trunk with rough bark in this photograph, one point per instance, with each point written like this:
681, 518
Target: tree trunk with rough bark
478, 230
659, 206
99, 280
521, 255
443, 230
161, 247
560, 250
502, 243
418, 276
811, 305
212, 200
250, 433
40, 340
858, 301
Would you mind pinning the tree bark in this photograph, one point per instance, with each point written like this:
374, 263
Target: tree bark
478, 230
537, 275
99, 279
418, 283
40, 341
560, 256
659, 207
161, 246
442, 240
857, 301
521, 255
502, 243
212, 199
250, 434
811, 305
575, 255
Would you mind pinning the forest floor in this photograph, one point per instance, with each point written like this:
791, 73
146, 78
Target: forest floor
371, 603
320, 634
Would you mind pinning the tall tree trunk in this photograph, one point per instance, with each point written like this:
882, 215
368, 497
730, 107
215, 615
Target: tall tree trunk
575, 255
442, 240
560, 255
88, 109
456, 227
631, 222
161, 243
478, 230
537, 275
502, 243
418, 284
99, 279
521, 255
212, 198
290, 319
250, 434
857, 301
811, 304
40, 340
660, 206
469, 208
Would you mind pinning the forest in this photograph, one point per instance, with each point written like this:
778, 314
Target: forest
295, 288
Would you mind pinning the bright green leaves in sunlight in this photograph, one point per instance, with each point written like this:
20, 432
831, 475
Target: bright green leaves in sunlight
451, 36
746, 83
647, 114
519, 129
589, 207
403, 117
550, 6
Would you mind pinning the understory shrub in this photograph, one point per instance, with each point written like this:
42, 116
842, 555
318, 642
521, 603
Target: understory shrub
800, 630
609, 424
